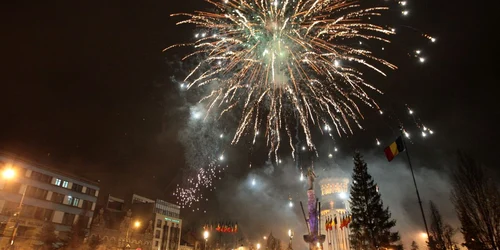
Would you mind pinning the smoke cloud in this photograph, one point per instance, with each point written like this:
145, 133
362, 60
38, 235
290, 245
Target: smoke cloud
263, 208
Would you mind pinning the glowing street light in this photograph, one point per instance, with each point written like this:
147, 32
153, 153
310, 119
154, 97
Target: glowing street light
137, 224
258, 246
423, 235
8, 173
205, 236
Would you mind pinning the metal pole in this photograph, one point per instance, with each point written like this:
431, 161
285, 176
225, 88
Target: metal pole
415, 183
16, 226
318, 210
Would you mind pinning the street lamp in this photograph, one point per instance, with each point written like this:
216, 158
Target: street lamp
205, 236
290, 235
424, 235
136, 225
9, 174
258, 246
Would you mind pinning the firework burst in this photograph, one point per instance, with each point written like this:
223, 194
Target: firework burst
197, 183
279, 63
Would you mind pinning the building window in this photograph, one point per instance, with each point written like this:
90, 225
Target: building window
70, 199
157, 243
10, 186
87, 205
9, 208
57, 198
65, 184
58, 182
157, 234
91, 191
37, 193
75, 202
43, 214
77, 187
68, 219
28, 211
37, 176
158, 223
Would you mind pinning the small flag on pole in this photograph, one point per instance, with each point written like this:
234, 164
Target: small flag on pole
394, 149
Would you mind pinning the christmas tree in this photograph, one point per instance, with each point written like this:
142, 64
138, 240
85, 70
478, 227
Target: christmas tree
371, 223
414, 246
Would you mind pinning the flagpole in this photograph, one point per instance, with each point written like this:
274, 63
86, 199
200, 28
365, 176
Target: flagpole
335, 232
414, 182
318, 210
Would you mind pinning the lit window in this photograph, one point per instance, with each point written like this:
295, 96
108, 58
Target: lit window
75, 202
65, 184
58, 182
70, 199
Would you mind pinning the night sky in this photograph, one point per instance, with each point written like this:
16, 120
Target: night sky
86, 87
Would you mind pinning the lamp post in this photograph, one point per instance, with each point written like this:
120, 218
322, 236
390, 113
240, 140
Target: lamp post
205, 236
290, 235
136, 225
9, 174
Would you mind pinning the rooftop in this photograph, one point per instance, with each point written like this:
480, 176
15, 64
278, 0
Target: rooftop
17, 158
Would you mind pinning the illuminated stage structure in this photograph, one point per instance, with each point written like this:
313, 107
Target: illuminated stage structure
335, 204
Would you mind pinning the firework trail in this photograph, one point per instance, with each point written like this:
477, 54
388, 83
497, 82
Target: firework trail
277, 63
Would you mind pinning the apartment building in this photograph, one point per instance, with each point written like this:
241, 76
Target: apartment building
168, 225
160, 217
34, 195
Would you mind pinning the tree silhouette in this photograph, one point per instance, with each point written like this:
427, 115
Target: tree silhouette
414, 246
477, 202
371, 223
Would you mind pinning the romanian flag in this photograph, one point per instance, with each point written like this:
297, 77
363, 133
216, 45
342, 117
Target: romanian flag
334, 223
218, 227
394, 149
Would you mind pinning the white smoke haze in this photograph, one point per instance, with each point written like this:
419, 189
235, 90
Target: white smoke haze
201, 138
259, 203
263, 208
